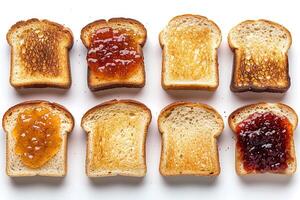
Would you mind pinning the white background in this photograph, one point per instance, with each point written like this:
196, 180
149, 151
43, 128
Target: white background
154, 15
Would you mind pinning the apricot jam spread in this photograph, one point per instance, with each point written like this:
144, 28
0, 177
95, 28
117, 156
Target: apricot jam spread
263, 140
113, 54
37, 136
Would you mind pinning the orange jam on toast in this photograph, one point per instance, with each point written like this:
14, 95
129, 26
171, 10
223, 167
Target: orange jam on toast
37, 136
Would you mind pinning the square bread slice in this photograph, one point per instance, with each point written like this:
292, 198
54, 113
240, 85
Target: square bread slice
242, 114
189, 58
260, 56
117, 75
189, 139
39, 54
57, 164
116, 136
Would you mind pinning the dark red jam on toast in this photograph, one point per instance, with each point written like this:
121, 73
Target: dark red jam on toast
263, 142
113, 54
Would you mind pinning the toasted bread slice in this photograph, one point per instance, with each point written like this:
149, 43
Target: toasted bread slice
190, 61
189, 139
57, 164
137, 34
116, 136
39, 54
278, 109
260, 56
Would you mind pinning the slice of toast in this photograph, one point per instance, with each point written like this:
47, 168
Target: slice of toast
116, 136
190, 61
260, 56
135, 32
39, 54
279, 109
57, 164
189, 139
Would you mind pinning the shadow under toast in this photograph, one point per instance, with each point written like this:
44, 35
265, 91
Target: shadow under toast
37, 180
116, 180
188, 94
190, 180
266, 179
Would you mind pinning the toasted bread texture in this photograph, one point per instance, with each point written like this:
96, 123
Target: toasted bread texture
137, 32
260, 56
278, 109
190, 61
39, 54
189, 139
116, 135
57, 165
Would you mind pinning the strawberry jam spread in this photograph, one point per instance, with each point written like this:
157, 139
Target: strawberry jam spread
263, 140
37, 136
113, 54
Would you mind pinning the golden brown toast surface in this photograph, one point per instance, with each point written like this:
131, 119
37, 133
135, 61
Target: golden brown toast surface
109, 143
189, 139
260, 56
192, 154
261, 67
39, 55
189, 45
197, 48
116, 138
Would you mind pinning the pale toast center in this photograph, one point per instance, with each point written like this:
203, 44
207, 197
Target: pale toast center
117, 143
189, 54
193, 153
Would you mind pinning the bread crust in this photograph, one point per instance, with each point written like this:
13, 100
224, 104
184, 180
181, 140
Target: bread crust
109, 103
186, 103
189, 86
252, 106
232, 47
112, 102
238, 162
172, 106
41, 83
251, 87
23, 23
32, 103
119, 83
103, 22
95, 88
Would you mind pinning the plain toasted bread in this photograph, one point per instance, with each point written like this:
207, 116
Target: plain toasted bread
116, 135
189, 139
260, 56
40, 54
135, 31
278, 109
190, 61
57, 165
